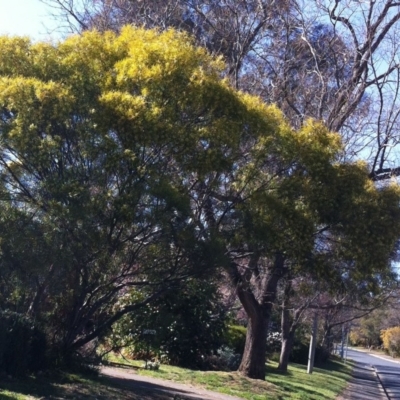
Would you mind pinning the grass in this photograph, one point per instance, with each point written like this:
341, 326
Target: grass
34, 387
67, 386
325, 383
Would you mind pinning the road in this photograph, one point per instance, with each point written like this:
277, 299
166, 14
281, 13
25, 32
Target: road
387, 371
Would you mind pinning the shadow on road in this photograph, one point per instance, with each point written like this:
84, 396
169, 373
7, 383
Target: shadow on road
364, 385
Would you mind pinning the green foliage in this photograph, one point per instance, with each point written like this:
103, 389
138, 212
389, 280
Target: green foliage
235, 338
126, 162
189, 325
22, 345
327, 218
100, 136
300, 352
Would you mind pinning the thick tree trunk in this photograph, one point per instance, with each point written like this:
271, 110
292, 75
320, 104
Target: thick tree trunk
259, 314
253, 360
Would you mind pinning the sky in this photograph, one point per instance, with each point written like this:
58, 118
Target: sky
26, 18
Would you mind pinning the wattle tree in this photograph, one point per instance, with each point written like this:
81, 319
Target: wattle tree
137, 166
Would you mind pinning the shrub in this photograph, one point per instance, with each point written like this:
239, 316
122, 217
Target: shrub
299, 354
229, 358
300, 351
22, 344
274, 343
189, 325
391, 340
225, 360
235, 338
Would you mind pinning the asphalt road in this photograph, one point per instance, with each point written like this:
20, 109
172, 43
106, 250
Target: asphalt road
387, 371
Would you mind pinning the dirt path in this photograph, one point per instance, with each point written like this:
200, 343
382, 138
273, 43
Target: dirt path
158, 389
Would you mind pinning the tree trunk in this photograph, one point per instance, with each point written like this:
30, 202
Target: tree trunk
259, 314
287, 345
289, 323
253, 360
326, 343
288, 331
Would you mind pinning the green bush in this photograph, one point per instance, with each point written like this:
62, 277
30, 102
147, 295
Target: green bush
300, 351
235, 338
225, 360
189, 325
22, 344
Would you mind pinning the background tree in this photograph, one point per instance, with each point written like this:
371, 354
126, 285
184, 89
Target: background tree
297, 295
335, 61
281, 236
391, 340
367, 330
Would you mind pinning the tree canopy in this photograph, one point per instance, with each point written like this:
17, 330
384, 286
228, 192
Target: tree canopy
102, 138
331, 60
128, 164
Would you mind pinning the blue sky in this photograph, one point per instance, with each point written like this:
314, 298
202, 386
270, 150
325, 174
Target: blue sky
26, 18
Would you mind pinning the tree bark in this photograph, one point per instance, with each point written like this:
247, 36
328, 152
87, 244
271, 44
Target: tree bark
289, 323
288, 331
326, 340
36, 302
253, 360
287, 346
259, 314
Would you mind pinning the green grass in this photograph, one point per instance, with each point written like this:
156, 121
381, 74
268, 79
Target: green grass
66, 386
325, 383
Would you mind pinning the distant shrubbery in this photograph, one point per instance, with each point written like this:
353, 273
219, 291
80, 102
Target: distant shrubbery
300, 351
22, 344
391, 340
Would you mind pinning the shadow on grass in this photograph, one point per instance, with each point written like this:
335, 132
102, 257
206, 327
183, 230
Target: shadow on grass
6, 397
64, 386
328, 378
151, 390
272, 370
38, 387
302, 392
121, 365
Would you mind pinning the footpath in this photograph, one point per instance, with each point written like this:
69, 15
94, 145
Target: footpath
364, 385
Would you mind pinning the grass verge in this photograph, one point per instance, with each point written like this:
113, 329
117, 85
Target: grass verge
68, 386
325, 383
